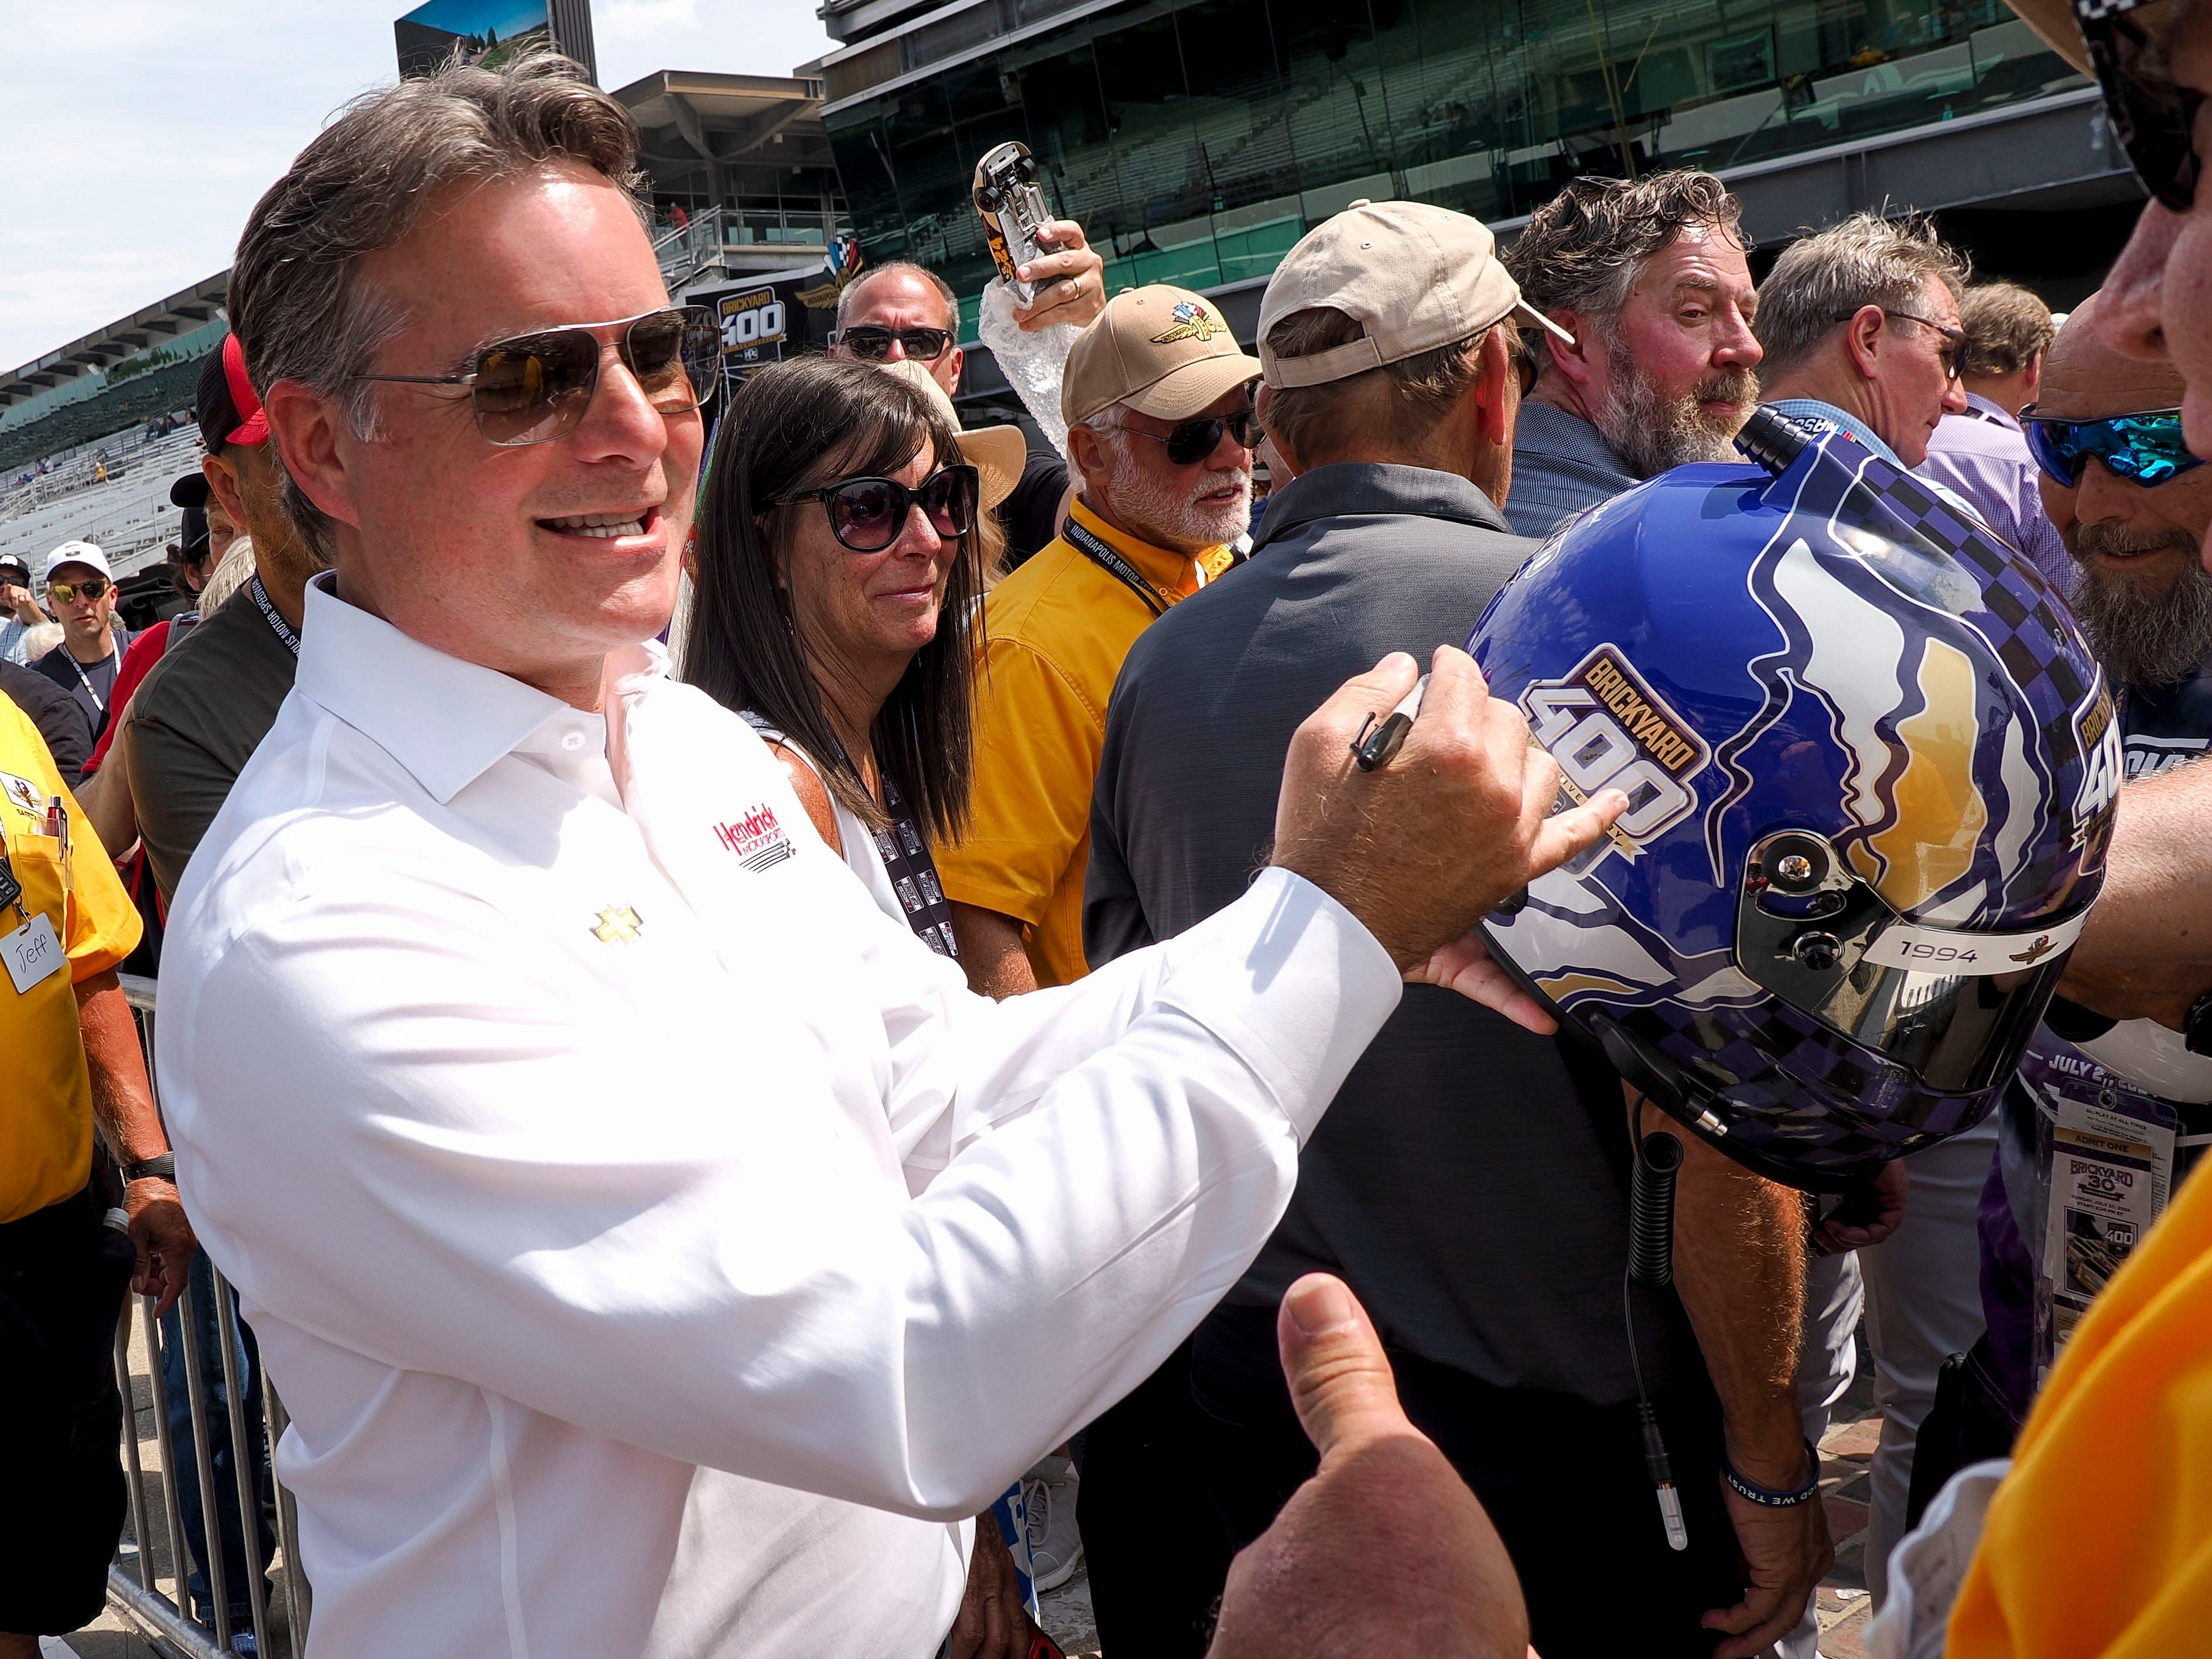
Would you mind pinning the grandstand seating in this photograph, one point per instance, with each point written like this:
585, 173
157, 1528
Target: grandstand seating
128, 516
116, 407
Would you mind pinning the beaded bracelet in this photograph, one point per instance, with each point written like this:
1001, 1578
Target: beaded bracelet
1765, 1495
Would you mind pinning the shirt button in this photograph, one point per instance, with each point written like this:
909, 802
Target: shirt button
572, 741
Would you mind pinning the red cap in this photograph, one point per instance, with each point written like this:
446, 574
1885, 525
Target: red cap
252, 425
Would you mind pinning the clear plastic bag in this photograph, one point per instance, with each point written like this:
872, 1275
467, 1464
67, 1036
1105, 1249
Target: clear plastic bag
1033, 362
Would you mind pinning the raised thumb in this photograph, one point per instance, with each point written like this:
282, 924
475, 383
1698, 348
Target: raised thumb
1339, 1379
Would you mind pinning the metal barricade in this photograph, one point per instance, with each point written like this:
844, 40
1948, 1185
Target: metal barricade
154, 1600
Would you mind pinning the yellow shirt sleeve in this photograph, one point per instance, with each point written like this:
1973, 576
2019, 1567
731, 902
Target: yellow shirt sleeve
45, 1129
1038, 738
105, 926
99, 926
2100, 1542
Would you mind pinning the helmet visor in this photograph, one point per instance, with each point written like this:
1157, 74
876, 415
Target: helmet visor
1955, 1009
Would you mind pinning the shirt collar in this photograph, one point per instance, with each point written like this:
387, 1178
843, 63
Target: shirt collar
443, 719
1994, 414
1349, 487
1165, 568
1827, 415
1542, 429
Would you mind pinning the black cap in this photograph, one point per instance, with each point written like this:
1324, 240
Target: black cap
191, 491
10, 561
193, 534
213, 407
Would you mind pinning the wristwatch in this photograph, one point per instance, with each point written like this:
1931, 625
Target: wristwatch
164, 1167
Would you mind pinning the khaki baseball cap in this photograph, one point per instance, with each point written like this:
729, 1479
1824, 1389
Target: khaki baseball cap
1163, 351
1415, 277
997, 453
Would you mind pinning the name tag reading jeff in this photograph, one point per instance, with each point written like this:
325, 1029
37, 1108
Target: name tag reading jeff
33, 952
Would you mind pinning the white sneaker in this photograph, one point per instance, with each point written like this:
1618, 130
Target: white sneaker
1055, 1547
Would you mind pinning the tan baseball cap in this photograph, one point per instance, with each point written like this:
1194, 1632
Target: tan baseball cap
997, 453
1414, 275
1163, 351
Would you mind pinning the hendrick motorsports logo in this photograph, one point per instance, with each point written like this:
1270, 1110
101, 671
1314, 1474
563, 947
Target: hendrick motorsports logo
1608, 730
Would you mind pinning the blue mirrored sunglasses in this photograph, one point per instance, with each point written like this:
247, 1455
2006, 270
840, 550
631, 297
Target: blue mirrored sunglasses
2145, 448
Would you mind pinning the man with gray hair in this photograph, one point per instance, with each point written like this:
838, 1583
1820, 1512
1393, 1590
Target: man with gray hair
1860, 323
1861, 327
709, 1341
1649, 282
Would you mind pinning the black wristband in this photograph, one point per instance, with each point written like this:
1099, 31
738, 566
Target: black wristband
1766, 1496
164, 1166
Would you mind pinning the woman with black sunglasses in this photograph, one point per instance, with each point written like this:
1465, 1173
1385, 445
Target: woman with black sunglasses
840, 553
841, 556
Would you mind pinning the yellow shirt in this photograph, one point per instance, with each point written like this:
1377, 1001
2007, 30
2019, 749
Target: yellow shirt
45, 1095
1057, 631
2100, 1542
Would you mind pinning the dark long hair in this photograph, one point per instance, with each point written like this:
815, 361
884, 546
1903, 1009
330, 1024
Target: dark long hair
791, 428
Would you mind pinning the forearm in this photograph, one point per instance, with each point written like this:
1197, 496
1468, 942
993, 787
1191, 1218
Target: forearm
686, 1298
1740, 1267
122, 1100
2147, 951
106, 798
992, 951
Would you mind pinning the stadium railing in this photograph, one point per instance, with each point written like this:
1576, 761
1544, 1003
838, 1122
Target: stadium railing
136, 1590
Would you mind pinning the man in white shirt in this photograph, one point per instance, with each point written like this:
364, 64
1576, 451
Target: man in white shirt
658, 1249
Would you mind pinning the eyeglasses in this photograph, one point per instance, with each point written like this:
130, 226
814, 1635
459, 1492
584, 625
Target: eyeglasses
871, 344
1953, 351
92, 587
868, 515
2155, 119
535, 387
2145, 448
1193, 441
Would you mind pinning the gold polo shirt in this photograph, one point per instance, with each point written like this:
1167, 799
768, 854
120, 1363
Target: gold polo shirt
45, 1108
1057, 631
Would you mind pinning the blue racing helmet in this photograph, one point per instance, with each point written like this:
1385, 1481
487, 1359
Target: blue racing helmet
1871, 766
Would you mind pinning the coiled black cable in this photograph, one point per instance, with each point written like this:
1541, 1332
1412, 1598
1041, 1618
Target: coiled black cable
1652, 1211
1657, 1159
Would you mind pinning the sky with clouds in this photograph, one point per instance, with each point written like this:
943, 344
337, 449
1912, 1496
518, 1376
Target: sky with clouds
141, 132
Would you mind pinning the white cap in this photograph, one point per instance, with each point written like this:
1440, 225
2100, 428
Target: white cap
83, 553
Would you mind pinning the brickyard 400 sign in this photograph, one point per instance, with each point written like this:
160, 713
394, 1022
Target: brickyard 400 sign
753, 330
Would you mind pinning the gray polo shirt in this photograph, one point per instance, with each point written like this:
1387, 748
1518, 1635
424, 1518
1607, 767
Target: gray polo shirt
1470, 1181
1562, 465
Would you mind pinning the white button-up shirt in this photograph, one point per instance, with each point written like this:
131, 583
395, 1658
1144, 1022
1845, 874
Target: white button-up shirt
658, 1249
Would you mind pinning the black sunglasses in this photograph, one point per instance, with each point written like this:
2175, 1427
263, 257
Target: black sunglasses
2155, 119
1952, 352
68, 593
1193, 441
534, 387
873, 345
868, 515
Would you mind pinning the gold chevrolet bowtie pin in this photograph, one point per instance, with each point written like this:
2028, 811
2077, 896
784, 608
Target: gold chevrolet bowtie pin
618, 926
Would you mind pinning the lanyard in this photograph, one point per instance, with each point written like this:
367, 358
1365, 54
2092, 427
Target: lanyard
85, 680
284, 630
905, 853
1114, 566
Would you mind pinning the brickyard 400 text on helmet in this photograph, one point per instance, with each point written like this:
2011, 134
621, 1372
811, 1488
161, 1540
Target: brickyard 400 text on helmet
1871, 769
